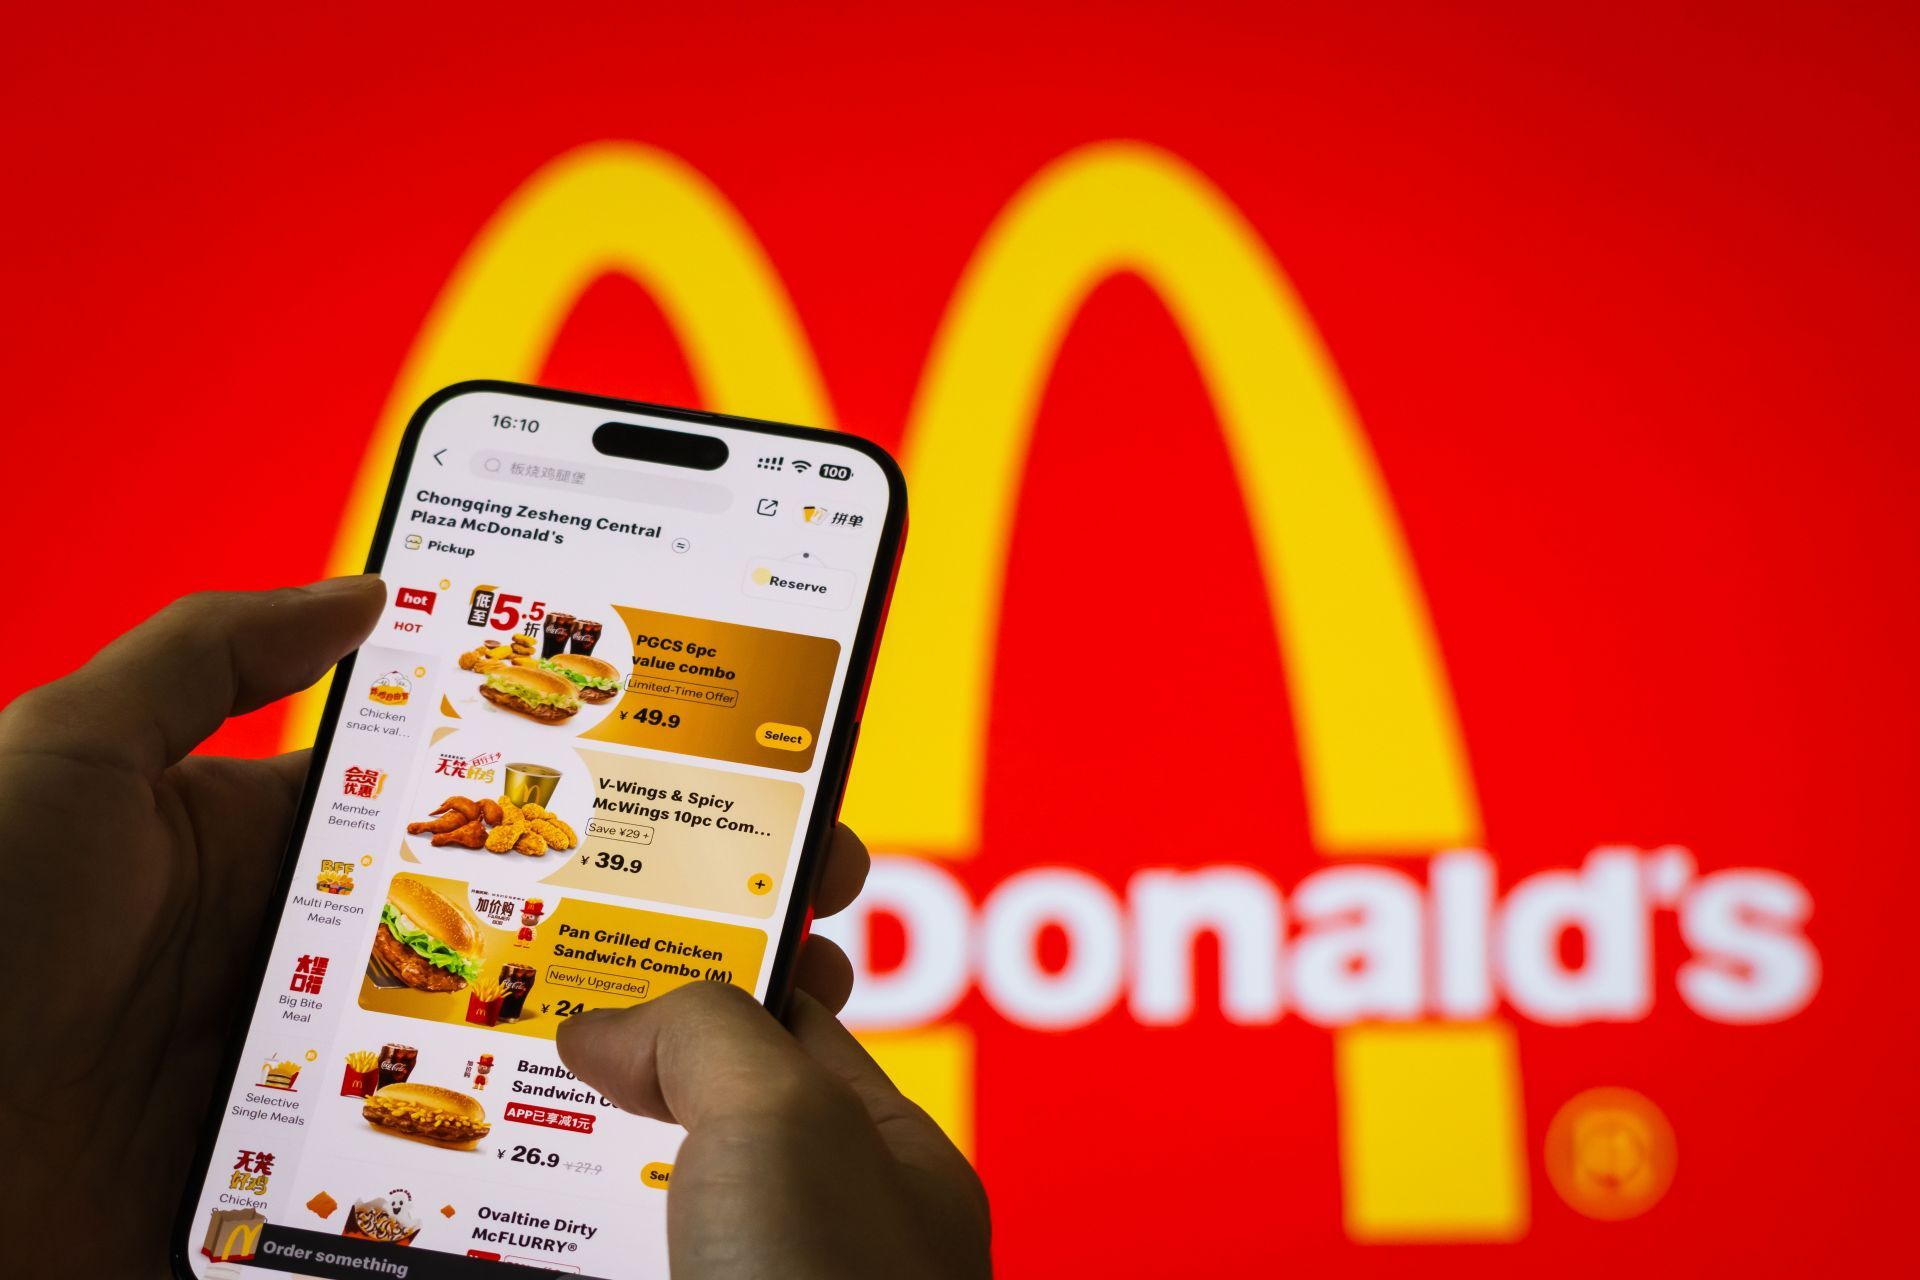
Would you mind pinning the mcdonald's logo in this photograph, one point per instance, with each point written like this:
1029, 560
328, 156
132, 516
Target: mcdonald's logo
241, 1241
1432, 1141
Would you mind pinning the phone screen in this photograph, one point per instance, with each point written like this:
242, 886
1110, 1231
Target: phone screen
588, 755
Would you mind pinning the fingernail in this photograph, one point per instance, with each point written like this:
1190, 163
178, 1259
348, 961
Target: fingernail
350, 582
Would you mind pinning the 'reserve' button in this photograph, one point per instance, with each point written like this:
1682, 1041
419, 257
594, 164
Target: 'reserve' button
797, 583
783, 737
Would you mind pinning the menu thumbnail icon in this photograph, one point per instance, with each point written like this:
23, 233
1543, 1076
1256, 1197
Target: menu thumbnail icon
309, 974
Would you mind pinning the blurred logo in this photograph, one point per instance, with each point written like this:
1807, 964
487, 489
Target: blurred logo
414, 598
1610, 1153
1414, 977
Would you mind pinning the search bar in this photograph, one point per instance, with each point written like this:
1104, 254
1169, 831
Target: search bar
596, 481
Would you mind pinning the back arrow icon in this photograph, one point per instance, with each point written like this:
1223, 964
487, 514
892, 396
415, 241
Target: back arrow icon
437, 458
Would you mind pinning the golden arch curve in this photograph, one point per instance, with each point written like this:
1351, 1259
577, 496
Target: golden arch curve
1384, 765
1428, 1130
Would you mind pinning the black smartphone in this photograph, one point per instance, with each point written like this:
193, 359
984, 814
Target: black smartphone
593, 751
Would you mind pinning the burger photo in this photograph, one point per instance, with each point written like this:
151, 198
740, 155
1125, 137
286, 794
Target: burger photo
543, 695
595, 681
427, 1111
427, 941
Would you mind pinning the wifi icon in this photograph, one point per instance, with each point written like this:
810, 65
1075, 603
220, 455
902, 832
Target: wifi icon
801, 465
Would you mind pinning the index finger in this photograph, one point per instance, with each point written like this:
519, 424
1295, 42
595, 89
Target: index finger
844, 873
154, 694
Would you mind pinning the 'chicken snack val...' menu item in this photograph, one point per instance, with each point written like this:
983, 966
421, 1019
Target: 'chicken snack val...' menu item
720, 690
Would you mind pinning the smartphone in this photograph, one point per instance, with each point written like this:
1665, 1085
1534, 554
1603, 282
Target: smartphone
593, 750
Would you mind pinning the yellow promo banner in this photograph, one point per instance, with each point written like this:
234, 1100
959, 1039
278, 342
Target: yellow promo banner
721, 691
578, 955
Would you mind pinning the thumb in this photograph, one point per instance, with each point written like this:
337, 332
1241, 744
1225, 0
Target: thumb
151, 696
704, 1051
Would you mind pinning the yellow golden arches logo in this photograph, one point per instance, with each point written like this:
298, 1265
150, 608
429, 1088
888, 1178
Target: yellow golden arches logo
1384, 766
1430, 1134
242, 1241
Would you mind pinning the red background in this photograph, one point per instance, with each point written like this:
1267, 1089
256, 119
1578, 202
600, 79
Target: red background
1624, 304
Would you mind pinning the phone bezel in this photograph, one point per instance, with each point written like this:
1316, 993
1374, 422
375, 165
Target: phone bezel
836, 763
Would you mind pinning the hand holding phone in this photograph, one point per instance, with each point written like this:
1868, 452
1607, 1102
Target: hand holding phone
626, 886
139, 946
178, 853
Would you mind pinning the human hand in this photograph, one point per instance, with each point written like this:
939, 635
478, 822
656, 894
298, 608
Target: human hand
801, 1158
148, 882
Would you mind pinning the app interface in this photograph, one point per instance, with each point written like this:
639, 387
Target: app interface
572, 770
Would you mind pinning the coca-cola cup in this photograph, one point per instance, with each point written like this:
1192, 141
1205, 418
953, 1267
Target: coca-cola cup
396, 1063
558, 631
517, 979
586, 634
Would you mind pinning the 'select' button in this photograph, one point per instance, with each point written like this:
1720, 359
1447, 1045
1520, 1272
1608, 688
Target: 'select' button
797, 583
783, 737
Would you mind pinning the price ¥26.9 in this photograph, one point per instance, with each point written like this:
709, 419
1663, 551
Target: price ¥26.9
532, 1155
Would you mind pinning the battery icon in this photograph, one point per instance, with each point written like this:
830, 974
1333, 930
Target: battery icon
834, 471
